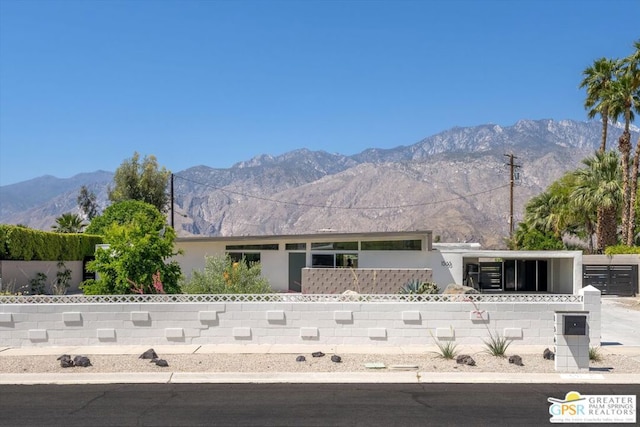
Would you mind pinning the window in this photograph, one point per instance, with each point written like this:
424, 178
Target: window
265, 247
392, 245
332, 246
322, 260
249, 258
347, 260
295, 246
334, 260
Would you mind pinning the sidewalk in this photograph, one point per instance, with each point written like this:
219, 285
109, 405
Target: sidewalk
413, 376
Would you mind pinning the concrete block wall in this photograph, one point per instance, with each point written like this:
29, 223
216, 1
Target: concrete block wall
355, 323
361, 280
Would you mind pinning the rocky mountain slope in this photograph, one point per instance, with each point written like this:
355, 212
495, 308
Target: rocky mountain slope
455, 183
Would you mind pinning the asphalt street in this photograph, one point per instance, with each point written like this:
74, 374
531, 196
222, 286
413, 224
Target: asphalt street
286, 404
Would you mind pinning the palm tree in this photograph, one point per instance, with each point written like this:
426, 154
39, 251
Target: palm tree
598, 186
597, 80
69, 223
631, 67
624, 100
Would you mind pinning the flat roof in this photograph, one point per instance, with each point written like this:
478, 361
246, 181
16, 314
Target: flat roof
321, 235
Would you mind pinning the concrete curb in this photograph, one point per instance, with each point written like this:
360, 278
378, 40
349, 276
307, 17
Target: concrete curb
407, 377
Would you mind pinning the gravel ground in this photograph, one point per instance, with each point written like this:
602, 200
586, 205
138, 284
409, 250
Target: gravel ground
429, 362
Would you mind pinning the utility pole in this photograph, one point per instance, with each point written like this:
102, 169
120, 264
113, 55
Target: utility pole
172, 201
512, 168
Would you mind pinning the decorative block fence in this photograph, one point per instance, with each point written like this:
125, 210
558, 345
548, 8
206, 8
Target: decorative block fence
385, 320
361, 280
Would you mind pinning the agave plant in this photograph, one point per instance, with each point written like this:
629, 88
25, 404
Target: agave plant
415, 286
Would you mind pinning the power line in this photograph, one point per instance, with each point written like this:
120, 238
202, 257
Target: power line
310, 205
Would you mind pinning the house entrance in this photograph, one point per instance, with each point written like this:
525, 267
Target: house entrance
509, 275
297, 261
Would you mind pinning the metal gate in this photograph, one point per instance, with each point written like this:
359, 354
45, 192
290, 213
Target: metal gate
619, 280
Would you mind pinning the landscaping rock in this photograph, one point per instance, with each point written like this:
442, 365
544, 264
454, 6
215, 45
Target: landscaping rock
160, 362
548, 354
459, 289
336, 359
516, 360
465, 359
149, 354
301, 359
81, 361
318, 354
65, 361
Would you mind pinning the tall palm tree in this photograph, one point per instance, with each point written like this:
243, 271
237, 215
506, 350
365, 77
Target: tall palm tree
624, 100
631, 66
597, 79
598, 185
69, 223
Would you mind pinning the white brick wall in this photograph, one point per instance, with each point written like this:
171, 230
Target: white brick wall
367, 323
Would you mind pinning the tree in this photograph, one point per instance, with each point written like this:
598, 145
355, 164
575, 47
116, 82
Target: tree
123, 213
598, 187
530, 238
138, 258
631, 70
87, 203
141, 181
69, 223
597, 80
221, 275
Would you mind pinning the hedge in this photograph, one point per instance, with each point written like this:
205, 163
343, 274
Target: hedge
26, 244
621, 250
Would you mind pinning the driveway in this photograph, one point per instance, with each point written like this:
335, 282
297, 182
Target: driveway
620, 321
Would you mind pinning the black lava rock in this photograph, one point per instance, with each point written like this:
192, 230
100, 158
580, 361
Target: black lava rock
149, 354
81, 361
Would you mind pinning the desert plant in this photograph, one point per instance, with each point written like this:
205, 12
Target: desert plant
594, 354
447, 350
415, 286
497, 345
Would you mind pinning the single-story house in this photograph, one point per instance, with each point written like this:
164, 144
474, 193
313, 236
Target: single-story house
288, 260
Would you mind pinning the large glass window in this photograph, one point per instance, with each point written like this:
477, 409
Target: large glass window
322, 260
334, 260
332, 246
392, 245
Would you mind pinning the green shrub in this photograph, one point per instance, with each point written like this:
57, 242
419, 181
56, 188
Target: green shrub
38, 284
621, 250
223, 276
137, 260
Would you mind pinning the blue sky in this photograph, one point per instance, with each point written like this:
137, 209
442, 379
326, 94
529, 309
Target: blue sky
84, 84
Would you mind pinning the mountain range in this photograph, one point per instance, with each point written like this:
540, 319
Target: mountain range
456, 183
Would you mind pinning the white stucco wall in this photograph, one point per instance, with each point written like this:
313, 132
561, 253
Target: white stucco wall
16, 275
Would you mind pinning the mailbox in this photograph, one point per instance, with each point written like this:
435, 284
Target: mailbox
575, 325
